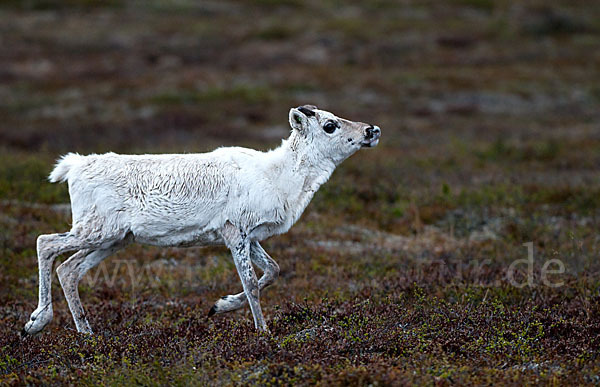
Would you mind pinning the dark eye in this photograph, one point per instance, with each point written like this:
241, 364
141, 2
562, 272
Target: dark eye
330, 127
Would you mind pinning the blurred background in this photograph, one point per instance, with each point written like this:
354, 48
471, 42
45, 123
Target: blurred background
490, 114
470, 94
453, 83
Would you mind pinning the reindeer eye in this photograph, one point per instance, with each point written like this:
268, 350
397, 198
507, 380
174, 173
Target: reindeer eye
330, 127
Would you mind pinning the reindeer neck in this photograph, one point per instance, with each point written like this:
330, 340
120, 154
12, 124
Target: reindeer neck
305, 165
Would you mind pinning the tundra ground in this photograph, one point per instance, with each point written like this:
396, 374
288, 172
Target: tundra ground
410, 266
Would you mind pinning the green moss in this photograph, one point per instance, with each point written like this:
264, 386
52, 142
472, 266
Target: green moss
60, 4
25, 179
487, 5
247, 94
275, 32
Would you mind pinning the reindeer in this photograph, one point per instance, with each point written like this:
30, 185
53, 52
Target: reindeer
233, 196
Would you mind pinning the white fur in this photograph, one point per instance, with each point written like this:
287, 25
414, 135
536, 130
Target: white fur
188, 199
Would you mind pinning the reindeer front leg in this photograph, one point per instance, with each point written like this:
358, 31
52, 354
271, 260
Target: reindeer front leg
239, 244
270, 269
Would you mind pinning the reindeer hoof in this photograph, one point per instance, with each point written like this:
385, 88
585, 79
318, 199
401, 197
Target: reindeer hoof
38, 320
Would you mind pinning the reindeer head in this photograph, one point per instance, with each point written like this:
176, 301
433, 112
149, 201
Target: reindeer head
333, 137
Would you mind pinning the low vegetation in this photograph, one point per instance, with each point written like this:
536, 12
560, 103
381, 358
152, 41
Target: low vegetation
463, 249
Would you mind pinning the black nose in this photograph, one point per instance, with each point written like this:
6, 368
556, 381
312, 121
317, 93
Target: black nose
372, 131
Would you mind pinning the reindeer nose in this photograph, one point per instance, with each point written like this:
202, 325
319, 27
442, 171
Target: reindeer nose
372, 131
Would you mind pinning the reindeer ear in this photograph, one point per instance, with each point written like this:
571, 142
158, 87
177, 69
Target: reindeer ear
297, 119
300, 115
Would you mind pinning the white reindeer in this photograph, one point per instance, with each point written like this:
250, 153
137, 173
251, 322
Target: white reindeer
233, 196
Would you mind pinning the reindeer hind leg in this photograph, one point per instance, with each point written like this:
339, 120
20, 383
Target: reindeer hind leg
49, 246
72, 271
